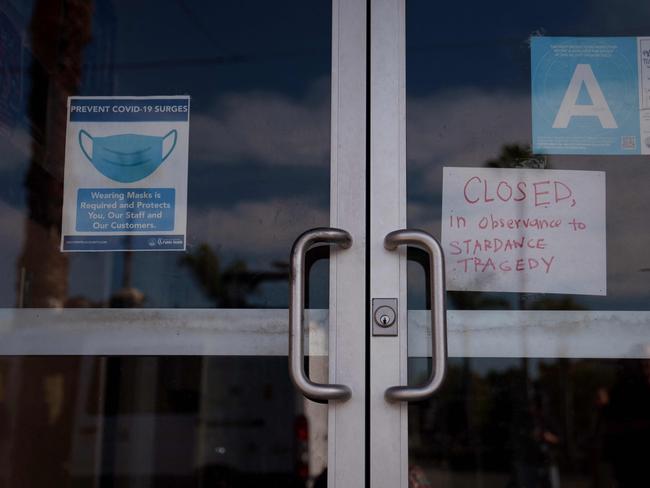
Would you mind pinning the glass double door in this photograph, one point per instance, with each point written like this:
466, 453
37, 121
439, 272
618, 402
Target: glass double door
169, 368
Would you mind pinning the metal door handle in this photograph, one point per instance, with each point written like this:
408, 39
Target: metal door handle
313, 391
427, 242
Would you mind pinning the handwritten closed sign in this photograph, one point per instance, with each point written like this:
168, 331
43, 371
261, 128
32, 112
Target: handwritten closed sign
524, 230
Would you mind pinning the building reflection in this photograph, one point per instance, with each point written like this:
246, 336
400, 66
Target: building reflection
59, 33
555, 423
38, 395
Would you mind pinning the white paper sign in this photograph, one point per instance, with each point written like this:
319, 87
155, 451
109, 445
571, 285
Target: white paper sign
524, 230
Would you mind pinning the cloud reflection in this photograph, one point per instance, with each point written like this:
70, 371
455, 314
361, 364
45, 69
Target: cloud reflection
267, 128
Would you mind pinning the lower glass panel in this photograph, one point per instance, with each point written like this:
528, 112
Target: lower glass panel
528, 422
228, 421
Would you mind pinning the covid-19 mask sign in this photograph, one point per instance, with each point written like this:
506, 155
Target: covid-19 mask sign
591, 95
125, 182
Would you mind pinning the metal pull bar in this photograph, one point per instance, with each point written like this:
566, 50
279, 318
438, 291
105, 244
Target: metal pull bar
313, 391
427, 242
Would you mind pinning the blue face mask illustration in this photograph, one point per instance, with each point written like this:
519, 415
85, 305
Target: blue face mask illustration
127, 157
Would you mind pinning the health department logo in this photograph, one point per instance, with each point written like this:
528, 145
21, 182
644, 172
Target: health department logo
165, 242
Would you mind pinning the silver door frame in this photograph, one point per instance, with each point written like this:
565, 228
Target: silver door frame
347, 339
388, 421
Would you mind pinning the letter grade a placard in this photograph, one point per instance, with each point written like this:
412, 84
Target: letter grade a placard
591, 95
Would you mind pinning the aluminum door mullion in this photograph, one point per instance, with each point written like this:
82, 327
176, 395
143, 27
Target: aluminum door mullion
346, 424
388, 355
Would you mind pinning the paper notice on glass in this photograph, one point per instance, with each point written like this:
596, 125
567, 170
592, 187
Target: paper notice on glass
524, 230
125, 183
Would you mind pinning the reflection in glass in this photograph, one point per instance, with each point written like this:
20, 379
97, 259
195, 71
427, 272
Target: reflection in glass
534, 423
258, 75
259, 143
232, 421
523, 422
476, 112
